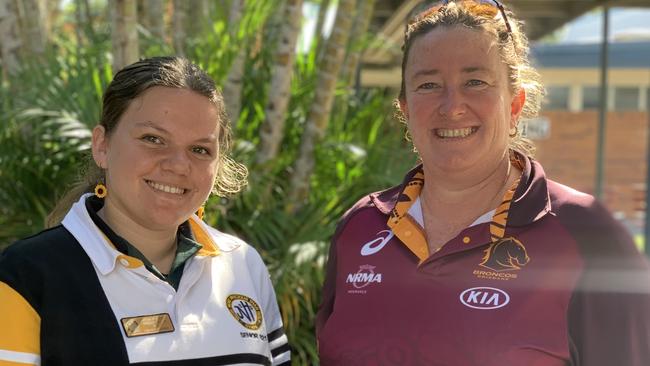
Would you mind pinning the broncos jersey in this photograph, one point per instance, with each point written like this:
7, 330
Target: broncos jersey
69, 297
547, 278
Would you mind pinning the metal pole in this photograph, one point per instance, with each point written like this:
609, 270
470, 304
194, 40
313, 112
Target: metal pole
646, 238
602, 111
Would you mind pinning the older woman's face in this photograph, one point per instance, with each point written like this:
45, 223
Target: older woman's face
458, 102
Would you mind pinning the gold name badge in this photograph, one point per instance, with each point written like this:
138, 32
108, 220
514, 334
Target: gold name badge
147, 325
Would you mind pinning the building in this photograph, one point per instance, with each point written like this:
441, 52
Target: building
566, 134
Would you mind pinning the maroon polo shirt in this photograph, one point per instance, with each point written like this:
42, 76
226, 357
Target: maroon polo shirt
564, 286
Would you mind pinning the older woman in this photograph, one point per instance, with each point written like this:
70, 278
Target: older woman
132, 275
477, 258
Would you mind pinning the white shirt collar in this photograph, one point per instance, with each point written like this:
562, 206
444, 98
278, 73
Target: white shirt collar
415, 211
104, 255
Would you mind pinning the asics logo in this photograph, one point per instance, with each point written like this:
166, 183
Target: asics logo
377, 244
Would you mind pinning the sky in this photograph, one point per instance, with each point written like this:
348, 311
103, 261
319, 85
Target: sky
624, 23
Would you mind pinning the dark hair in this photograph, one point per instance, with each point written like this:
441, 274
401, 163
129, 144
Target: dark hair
127, 85
512, 43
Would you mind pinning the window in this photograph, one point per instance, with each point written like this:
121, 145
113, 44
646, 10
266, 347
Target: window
626, 99
557, 98
590, 97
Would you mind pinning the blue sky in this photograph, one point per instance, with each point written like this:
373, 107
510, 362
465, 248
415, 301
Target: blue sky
625, 23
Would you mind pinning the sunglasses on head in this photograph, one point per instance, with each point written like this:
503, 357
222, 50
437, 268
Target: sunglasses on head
493, 3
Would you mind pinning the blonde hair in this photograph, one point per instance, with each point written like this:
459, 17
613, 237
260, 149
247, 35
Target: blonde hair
512, 43
128, 84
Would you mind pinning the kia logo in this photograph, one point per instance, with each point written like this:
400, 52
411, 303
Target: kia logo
484, 298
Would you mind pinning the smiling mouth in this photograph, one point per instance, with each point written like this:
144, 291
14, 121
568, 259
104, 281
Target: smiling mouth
457, 133
166, 188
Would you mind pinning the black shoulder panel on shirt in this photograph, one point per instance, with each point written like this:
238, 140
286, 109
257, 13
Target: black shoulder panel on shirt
56, 276
25, 263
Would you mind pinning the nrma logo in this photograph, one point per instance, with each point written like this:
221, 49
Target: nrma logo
484, 298
364, 276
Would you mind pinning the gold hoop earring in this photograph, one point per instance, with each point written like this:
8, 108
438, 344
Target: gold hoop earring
100, 190
200, 212
513, 134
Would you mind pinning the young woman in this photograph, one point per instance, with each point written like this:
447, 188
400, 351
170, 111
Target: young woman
477, 258
132, 275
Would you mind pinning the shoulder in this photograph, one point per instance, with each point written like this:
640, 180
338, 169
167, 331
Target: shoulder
235, 247
226, 242
28, 264
378, 203
366, 202
381, 201
601, 239
39, 247
565, 197
578, 209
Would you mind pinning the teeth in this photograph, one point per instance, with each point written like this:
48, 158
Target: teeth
460, 132
166, 188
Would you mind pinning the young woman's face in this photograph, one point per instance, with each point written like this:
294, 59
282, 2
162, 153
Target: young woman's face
457, 100
161, 159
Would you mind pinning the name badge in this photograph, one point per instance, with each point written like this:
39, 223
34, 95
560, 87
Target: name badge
147, 325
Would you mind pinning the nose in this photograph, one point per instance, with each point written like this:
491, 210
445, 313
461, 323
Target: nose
176, 162
452, 104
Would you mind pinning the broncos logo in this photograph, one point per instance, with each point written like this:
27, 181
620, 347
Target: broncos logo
505, 255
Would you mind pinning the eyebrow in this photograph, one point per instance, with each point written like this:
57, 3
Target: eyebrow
472, 69
466, 70
150, 124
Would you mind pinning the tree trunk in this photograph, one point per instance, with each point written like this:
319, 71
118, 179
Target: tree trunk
273, 128
10, 41
233, 87
32, 19
318, 116
199, 13
358, 41
320, 26
124, 33
50, 13
179, 19
152, 17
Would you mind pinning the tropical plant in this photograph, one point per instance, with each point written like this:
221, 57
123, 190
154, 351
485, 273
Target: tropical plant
48, 108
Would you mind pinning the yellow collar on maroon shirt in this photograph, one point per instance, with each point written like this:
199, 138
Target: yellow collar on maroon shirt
407, 229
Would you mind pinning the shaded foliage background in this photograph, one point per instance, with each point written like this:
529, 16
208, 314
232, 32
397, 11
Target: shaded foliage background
48, 108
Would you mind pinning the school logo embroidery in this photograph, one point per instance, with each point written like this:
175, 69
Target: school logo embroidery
363, 278
377, 244
484, 298
507, 254
245, 310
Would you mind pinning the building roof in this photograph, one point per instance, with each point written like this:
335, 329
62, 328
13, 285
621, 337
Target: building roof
541, 17
621, 55
380, 65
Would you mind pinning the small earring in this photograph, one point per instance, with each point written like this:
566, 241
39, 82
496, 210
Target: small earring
200, 212
513, 134
100, 190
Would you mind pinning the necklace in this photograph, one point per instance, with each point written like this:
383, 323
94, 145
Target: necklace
440, 229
